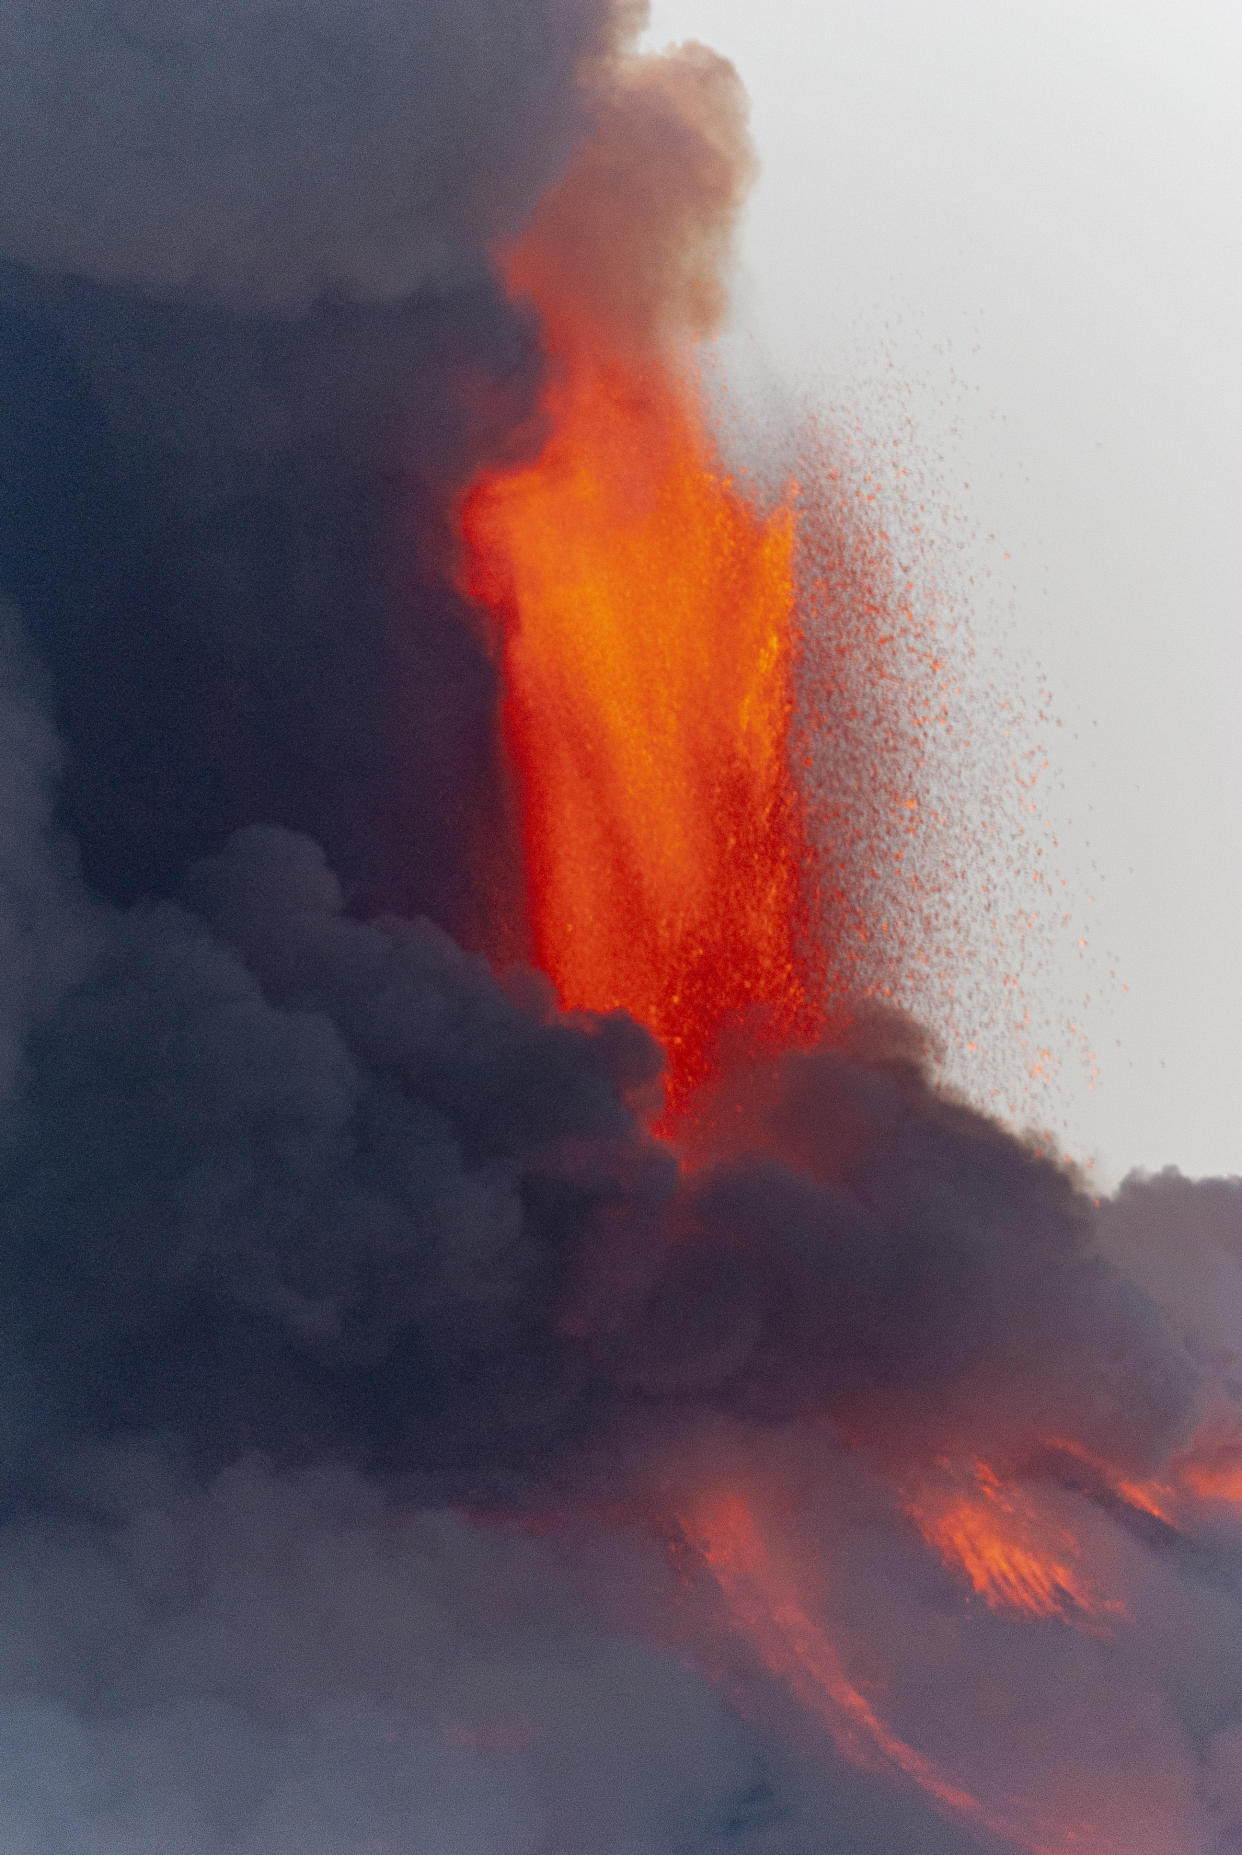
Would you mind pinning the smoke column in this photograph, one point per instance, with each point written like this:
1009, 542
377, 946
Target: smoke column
403, 1448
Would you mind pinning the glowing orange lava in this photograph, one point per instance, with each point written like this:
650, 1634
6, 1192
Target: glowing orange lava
648, 612
1015, 1554
1154, 1498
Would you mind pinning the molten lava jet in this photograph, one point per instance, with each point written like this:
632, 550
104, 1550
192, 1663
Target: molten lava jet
649, 641
646, 606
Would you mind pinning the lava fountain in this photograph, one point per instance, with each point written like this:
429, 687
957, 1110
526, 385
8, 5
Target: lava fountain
648, 679
647, 609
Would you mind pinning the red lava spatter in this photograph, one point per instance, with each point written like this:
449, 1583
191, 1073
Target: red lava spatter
925, 781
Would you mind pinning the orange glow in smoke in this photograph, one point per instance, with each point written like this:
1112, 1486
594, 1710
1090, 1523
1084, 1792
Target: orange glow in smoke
1215, 1482
648, 612
1211, 1468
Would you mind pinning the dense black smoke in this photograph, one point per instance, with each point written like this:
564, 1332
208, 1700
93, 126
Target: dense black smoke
359, 1350
304, 1184
227, 535
251, 349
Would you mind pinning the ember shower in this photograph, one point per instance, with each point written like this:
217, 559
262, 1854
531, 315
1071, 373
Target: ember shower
404, 1449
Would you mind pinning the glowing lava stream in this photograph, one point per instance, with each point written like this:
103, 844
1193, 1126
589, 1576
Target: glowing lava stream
1013, 1555
765, 1606
648, 614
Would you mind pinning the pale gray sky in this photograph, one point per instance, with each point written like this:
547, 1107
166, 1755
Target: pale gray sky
1031, 209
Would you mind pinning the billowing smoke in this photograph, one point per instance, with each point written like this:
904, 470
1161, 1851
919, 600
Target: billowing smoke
634, 240
252, 348
373, 1386
266, 156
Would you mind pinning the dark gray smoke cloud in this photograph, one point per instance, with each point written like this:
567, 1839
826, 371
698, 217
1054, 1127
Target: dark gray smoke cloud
361, 1357
274, 1664
266, 155
228, 537
278, 1178
251, 349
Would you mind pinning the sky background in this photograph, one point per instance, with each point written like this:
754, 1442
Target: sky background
1026, 216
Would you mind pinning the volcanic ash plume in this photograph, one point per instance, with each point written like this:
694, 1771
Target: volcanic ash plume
403, 1446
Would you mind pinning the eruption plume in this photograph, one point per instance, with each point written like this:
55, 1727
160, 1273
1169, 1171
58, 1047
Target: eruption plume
404, 1446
